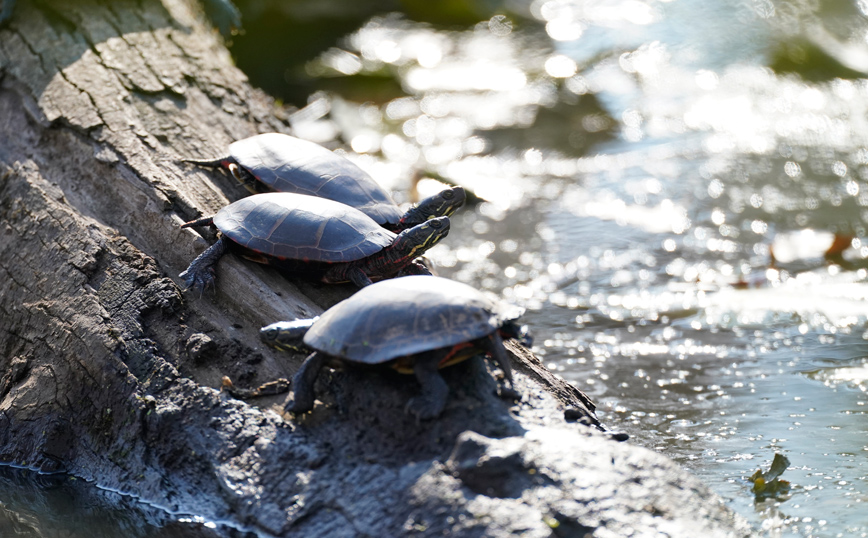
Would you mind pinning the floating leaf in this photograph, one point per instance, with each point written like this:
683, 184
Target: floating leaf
769, 485
779, 465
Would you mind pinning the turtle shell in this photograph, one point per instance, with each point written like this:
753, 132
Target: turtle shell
289, 226
405, 316
288, 164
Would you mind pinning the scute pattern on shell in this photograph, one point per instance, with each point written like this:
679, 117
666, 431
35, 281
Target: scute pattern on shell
289, 164
404, 316
297, 227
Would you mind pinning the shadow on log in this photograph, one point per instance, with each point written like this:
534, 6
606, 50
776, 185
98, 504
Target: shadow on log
109, 372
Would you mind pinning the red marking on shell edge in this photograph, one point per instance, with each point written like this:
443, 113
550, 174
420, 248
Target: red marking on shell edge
458, 353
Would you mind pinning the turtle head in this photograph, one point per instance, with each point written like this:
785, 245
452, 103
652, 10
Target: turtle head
413, 242
442, 204
246, 178
511, 329
287, 335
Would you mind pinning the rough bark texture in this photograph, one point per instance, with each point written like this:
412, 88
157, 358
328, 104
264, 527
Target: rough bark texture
106, 366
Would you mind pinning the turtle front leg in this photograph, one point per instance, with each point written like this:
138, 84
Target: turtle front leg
302, 397
200, 274
431, 402
358, 277
493, 346
416, 267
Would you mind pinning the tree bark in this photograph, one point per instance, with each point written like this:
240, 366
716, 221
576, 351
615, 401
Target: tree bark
110, 372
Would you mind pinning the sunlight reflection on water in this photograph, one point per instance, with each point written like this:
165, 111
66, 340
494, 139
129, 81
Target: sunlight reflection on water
646, 265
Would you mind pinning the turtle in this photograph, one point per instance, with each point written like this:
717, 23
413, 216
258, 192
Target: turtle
415, 324
310, 235
275, 162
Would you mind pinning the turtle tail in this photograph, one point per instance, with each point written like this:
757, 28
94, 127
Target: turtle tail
221, 162
287, 335
204, 221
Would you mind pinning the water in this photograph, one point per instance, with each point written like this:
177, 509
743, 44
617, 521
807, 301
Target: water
639, 162
640, 235
46, 506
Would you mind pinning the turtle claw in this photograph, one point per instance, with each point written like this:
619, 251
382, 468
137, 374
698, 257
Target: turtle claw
201, 274
199, 280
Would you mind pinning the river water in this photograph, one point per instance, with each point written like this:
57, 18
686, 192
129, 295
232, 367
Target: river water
637, 163
640, 161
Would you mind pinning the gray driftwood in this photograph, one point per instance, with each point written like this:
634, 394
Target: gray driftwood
109, 372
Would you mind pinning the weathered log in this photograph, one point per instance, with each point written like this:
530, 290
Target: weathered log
110, 372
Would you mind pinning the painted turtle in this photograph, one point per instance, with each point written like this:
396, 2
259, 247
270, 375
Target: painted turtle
306, 234
415, 324
282, 163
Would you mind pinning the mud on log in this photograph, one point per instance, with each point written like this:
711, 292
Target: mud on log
106, 367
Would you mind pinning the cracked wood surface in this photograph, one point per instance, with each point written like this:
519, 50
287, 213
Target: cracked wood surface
105, 364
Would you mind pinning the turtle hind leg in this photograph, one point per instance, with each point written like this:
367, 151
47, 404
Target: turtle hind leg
493, 346
200, 274
301, 398
431, 402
